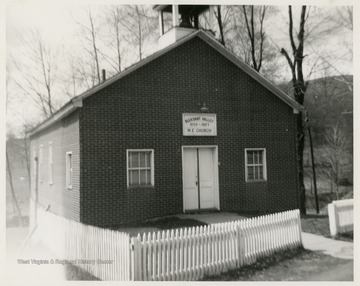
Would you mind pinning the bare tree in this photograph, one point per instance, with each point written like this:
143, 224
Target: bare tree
220, 24
139, 23
37, 75
86, 72
73, 79
223, 15
346, 17
89, 40
257, 46
240, 44
114, 16
335, 147
341, 20
296, 66
256, 52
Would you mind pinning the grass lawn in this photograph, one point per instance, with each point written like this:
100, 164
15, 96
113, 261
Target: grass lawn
316, 224
319, 224
326, 198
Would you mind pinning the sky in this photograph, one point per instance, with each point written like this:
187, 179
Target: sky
56, 20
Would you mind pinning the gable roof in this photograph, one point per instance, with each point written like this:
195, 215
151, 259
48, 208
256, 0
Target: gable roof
76, 102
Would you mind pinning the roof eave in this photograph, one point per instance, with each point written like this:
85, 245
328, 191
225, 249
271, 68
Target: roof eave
63, 112
159, 7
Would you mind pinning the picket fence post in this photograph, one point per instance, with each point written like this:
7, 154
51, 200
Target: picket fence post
132, 263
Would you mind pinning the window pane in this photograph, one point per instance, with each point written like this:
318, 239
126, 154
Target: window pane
142, 159
148, 159
260, 157
261, 172
148, 177
250, 173
134, 159
143, 179
134, 177
257, 173
69, 169
70, 183
256, 157
51, 173
249, 157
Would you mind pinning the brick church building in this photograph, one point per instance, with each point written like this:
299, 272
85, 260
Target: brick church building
190, 128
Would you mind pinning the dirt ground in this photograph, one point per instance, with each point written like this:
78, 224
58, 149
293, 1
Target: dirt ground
296, 265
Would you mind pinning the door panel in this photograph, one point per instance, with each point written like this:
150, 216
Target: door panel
206, 172
191, 192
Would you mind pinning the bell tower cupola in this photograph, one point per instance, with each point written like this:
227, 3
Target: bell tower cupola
177, 21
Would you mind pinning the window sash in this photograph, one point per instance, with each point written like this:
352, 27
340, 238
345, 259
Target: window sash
255, 165
69, 170
140, 177
50, 163
135, 159
256, 173
140, 167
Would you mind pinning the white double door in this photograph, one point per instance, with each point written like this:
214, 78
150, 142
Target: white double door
200, 174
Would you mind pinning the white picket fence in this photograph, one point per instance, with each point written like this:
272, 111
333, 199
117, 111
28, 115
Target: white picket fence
102, 252
341, 216
191, 253
185, 254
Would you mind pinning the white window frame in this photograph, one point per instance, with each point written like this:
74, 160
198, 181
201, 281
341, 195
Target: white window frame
152, 170
41, 156
263, 164
50, 163
69, 171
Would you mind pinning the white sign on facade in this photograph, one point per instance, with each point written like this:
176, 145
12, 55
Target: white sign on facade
199, 124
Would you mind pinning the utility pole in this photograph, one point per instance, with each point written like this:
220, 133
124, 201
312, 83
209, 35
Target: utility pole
312, 161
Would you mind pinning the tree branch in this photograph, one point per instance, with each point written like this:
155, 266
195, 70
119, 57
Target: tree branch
262, 36
291, 64
293, 46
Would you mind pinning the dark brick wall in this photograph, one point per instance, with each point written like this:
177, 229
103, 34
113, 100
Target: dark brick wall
144, 110
64, 136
